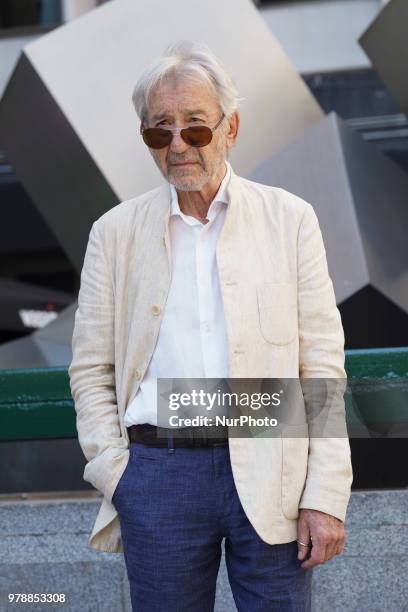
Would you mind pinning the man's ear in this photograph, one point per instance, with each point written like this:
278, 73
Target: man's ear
233, 129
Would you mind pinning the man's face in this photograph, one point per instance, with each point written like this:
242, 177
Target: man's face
179, 104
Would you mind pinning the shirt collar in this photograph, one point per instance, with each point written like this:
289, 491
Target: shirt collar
222, 195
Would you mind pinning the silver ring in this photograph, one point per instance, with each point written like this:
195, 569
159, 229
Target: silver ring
303, 544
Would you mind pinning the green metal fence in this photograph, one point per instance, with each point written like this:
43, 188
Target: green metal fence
37, 403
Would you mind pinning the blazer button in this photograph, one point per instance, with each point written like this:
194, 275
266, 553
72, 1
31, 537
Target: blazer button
137, 374
156, 309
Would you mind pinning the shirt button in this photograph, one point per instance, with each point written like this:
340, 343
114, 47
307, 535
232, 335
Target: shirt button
156, 309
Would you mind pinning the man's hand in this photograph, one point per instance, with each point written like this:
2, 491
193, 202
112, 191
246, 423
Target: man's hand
325, 532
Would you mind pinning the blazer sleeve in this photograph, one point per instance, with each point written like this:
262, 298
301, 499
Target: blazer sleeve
321, 356
92, 370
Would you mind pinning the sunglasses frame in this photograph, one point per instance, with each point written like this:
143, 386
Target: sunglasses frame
181, 131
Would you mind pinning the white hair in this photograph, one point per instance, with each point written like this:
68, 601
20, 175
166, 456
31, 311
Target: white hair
193, 60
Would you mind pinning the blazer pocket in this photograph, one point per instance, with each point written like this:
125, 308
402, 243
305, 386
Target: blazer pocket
98, 471
122, 477
295, 454
277, 307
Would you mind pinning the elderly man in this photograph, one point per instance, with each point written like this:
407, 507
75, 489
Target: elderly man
208, 276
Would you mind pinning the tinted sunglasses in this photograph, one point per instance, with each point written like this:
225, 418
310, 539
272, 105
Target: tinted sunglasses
195, 136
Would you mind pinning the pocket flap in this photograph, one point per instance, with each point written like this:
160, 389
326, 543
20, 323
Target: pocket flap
277, 305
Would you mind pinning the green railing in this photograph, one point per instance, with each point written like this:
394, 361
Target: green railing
377, 363
37, 403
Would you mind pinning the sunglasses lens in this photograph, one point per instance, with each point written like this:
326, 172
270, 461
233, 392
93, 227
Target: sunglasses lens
157, 138
197, 136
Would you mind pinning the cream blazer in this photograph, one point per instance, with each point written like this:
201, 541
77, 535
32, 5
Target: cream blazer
282, 322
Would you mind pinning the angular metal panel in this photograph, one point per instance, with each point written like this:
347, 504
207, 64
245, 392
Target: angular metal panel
386, 43
46, 347
68, 125
51, 162
380, 194
360, 197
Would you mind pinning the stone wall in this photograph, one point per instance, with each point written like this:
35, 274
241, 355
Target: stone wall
44, 548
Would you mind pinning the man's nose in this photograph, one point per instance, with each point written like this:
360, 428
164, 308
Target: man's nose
178, 145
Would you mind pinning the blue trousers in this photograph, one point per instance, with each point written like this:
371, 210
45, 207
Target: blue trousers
175, 506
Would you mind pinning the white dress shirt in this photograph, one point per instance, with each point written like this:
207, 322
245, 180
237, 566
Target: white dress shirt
192, 340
